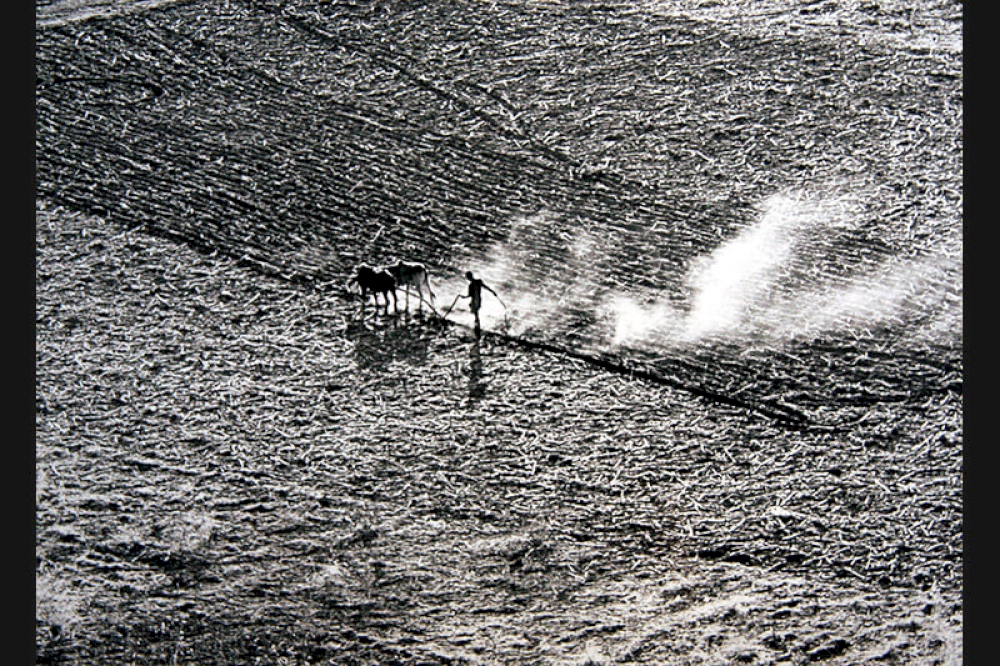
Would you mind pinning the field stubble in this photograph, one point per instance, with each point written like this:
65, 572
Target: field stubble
231, 469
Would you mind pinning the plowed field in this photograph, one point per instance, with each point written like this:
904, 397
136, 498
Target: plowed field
715, 414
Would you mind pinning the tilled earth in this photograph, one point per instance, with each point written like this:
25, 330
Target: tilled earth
233, 467
232, 470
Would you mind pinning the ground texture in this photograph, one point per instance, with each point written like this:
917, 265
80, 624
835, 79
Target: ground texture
642, 460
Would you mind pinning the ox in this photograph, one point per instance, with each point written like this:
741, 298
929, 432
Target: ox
374, 281
408, 275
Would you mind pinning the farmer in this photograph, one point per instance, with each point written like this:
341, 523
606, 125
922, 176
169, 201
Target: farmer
475, 295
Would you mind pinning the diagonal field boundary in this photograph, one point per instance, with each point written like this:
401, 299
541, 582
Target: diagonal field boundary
783, 414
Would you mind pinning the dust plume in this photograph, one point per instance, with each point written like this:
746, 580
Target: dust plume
801, 270
776, 282
541, 272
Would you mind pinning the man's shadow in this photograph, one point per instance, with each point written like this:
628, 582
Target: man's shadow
477, 387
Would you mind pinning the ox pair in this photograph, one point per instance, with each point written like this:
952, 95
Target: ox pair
385, 280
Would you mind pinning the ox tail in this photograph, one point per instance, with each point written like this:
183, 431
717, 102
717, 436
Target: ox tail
427, 283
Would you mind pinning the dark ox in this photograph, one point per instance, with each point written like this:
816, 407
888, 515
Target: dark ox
374, 281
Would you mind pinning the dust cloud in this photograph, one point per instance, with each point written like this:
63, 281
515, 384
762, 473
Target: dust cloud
788, 276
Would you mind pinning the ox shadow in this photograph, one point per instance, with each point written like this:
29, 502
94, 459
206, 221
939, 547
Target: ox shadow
378, 346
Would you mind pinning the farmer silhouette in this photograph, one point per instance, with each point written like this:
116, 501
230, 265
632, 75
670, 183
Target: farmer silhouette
475, 295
